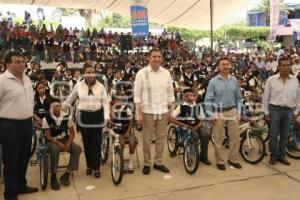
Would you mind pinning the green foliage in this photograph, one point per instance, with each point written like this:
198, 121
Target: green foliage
233, 33
114, 21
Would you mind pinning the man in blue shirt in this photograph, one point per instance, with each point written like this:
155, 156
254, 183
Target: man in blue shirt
223, 102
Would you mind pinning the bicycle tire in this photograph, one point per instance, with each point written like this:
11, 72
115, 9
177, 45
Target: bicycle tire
44, 167
171, 140
104, 149
193, 148
289, 153
262, 150
34, 143
117, 178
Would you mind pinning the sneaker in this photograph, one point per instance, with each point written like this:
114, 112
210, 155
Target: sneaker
65, 179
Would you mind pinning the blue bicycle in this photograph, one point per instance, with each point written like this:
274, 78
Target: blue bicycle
184, 138
293, 145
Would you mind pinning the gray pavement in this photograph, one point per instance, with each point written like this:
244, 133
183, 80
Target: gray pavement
253, 182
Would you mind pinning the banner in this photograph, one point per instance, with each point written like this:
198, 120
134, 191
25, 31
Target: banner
139, 19
274, 19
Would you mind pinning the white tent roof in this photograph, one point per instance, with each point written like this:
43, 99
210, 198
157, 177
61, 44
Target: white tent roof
194, 14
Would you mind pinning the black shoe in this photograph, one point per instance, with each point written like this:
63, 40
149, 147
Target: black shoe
97, 174
146, 170
28, 190
221, 167
65, 179
88, 172
161, 168
205, 161
236, 165
54, 184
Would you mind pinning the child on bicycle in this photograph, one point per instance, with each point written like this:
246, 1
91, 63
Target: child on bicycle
190, 115
121, 118
60, 135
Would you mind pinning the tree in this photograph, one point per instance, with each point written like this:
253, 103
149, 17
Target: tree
264, 6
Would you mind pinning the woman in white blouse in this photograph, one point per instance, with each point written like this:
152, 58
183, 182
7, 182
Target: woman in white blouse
93, 109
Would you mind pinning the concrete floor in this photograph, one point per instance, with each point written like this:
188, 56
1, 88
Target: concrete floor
253, 182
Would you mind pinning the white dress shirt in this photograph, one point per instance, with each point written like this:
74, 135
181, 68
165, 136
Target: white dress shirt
160, 89
279, 93
16, 98
90, 103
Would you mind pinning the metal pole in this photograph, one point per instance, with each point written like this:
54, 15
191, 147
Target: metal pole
212, 28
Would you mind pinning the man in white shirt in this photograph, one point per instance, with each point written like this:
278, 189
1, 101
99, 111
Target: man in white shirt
271, 66
281, 103
154, 98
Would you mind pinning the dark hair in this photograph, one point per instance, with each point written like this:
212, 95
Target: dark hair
86, 65
187, 90
154, 50
8, 56
282, 59
37, 85
221, 59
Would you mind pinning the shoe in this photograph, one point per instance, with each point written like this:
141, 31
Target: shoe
221, 167
161, 168
28, 190
65, 179
272, 160
88, 171
130, 171
146, 170
54, 184
97, 174
205, 161
236, 165
284, 161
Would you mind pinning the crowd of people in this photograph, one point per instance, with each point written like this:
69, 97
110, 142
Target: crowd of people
141, 85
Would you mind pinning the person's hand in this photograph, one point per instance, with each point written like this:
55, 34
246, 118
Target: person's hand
140, 119
61, 147
267, 118
294, 118
213, 121
68, 147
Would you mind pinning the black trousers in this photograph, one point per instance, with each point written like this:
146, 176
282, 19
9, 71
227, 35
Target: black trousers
16, 139
91, 124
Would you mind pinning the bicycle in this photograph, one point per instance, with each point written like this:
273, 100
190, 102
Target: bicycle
184, 138
293, 145
111, 142
252, 146
42, 158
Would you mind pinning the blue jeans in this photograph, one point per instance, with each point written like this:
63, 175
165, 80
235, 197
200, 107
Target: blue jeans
279, 126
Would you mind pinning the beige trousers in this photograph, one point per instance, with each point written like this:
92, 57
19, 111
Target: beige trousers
156, 124
230, 119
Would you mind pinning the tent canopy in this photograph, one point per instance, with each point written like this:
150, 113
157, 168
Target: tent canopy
192, 14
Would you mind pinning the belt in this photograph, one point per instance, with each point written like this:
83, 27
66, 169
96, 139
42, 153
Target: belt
282, 107
90, 111
224, 109
28, 120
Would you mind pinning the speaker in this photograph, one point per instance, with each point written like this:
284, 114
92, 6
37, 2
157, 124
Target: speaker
126, 42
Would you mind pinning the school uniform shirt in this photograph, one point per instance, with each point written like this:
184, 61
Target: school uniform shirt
58, 122
196, 111
16, 98
90, 102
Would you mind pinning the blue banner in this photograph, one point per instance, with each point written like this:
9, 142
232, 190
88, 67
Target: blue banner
139, 21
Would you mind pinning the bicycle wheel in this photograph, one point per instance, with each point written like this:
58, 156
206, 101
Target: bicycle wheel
44, 166
34, 143
117, 166
172, 139
104, 148
293, 147
191, 157
252, 149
